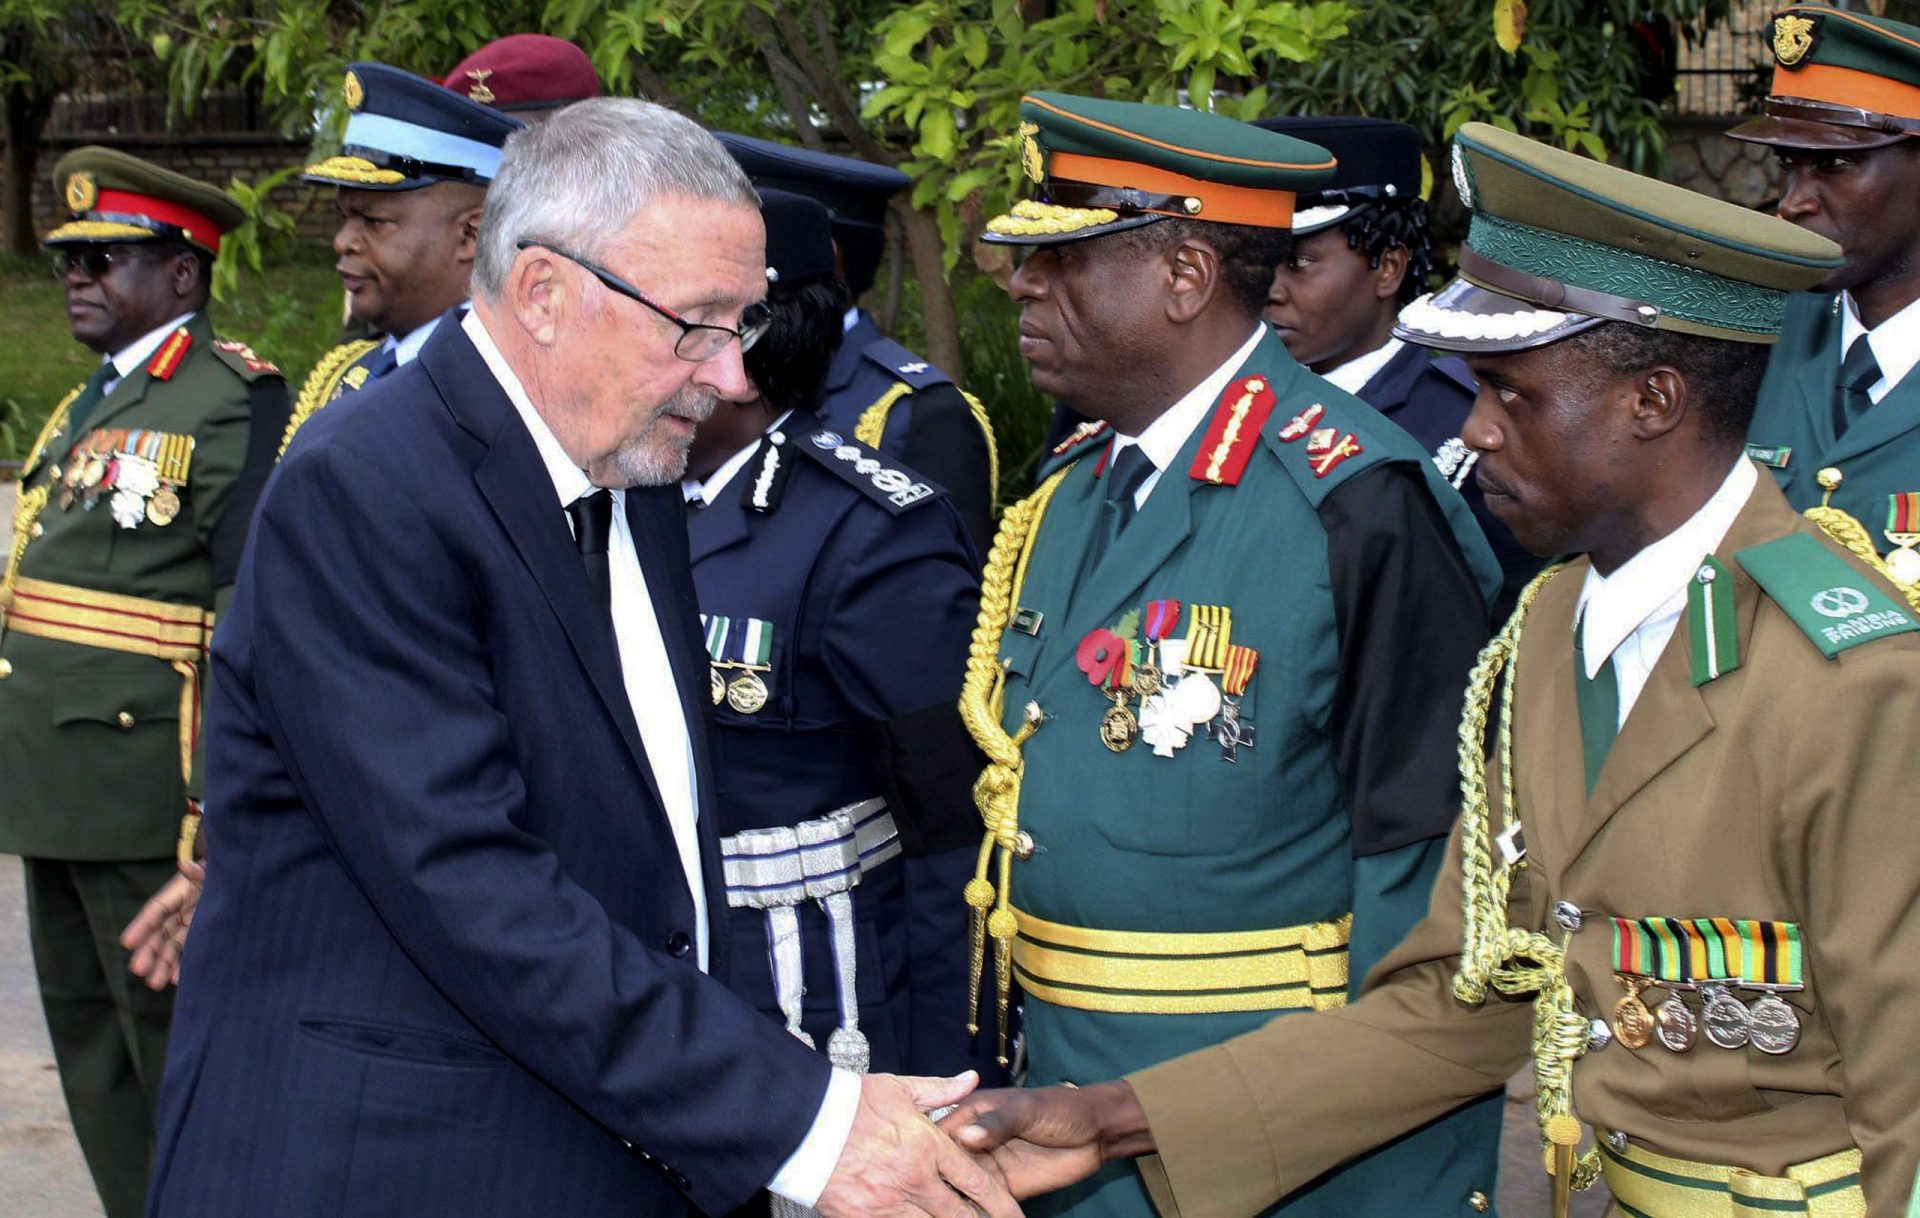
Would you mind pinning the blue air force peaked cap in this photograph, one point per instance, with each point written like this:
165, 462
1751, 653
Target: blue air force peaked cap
405, 132
1377, 159
855, 192
1559, 244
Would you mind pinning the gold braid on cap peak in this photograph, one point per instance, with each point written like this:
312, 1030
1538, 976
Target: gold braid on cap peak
100, 230
1494, 953
1032, 218
997, 791
356, 169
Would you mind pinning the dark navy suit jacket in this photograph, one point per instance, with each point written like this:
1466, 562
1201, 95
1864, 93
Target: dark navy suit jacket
443, 964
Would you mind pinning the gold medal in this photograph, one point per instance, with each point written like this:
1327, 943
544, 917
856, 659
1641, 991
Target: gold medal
747, 694
164, 508
717, 686
1146, 681
1632, 1021
1118, 727
92, 470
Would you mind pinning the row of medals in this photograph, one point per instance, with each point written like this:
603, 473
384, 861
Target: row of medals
1192, 698
746, 693
83, 482
1769, 1024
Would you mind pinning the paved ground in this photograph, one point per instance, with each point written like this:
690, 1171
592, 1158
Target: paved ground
41, 1173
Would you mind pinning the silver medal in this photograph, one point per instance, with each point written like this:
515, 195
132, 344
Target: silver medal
1675, 1025
1775, 1028
1725, 1017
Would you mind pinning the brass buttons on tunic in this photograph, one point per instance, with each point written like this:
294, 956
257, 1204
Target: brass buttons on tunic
1479, 1202
125, 720
6, 669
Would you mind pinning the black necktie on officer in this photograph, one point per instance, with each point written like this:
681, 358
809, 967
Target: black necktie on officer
1124, 476
89, 397
592, 516
1857, 372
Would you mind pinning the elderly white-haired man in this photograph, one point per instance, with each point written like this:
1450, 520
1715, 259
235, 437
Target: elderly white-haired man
452, 954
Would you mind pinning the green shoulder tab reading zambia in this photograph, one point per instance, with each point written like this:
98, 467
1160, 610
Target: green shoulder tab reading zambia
1837, 606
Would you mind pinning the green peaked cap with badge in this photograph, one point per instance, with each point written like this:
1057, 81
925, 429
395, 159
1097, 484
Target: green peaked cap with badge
1840, 80
117, 198
1101, 166
1559, 244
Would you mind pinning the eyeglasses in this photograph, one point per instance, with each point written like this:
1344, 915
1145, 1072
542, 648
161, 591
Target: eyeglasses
94, 260
698, 341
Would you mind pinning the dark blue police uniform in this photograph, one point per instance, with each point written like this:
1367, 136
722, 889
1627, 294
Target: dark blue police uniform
843, 586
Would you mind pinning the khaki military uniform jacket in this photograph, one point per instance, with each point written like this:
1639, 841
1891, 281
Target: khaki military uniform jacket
1781, 790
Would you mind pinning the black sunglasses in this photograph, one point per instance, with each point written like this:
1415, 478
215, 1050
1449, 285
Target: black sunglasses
95, 260
698, 341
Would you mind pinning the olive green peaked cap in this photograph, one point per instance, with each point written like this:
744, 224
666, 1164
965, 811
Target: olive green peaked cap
117, 197
1559, 244
1840, 80
1103, 166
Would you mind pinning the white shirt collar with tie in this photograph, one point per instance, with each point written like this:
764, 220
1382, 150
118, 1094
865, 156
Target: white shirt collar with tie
1162, 439
1895, 343
1629, 616
130, 358
644, 666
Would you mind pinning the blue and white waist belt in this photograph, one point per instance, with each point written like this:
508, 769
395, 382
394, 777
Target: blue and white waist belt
778, 870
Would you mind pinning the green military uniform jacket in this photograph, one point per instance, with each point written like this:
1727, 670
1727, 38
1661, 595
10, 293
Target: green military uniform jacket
1792, 431
90, 738
1345, 571
1781, 790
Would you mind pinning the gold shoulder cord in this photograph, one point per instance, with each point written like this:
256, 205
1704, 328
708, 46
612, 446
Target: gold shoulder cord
1844, 528
873, 425
997, 791
1492, 952
27, 508
321, 382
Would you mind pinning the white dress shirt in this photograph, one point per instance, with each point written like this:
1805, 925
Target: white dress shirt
1895, 343
1629, 616
669, 746
709, 490
405, 349
1162, 439
129, 359
1353, 375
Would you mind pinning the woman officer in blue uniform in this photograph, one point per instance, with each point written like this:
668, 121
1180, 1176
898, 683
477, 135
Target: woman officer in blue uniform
838, 590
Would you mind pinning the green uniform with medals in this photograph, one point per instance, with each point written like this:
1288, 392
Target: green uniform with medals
132, 514
1232, 802
1843, 83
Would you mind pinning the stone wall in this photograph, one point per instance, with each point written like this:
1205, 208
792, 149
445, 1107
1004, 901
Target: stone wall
1701, 157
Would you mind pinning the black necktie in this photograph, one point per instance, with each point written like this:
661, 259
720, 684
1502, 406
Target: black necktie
1858, 371
592, 516
90, 395
1124, 476
383, 361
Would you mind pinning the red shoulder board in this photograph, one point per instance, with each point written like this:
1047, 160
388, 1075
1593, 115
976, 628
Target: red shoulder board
1234, 432
246, 354
1086, 431
168, 357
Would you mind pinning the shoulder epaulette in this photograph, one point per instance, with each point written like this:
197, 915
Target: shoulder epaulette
869, 471
323, 382
1834, 604
1234, 431
242, 359
1078, 441
903, 365
1321, 444
167, 359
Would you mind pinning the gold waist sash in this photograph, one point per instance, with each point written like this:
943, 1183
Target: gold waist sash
1145, 973
177, 634
1647, 1185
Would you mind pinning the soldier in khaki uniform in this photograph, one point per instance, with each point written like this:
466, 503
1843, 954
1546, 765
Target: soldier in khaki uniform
133, 509
1684, 878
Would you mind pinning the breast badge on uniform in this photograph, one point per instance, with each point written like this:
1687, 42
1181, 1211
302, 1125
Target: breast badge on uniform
1172, 677
1713, 958
742, 645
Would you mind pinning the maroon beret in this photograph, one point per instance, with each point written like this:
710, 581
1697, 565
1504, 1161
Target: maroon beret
525, 72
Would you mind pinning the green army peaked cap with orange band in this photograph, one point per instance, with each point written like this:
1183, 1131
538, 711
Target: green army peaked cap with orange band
1559, 244
118, 198
1840, 80
1105, 166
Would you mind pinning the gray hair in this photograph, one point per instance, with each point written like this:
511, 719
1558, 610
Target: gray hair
579, 179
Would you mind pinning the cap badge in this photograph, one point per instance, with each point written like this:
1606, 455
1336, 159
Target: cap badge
1792, 38
479, 91
1031, 158
82, 194
353, 91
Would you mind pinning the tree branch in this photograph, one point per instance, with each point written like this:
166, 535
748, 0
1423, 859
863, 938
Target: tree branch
829, 90
787, 75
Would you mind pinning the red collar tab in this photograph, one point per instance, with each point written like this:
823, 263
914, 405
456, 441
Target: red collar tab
1234, 431
161, 367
